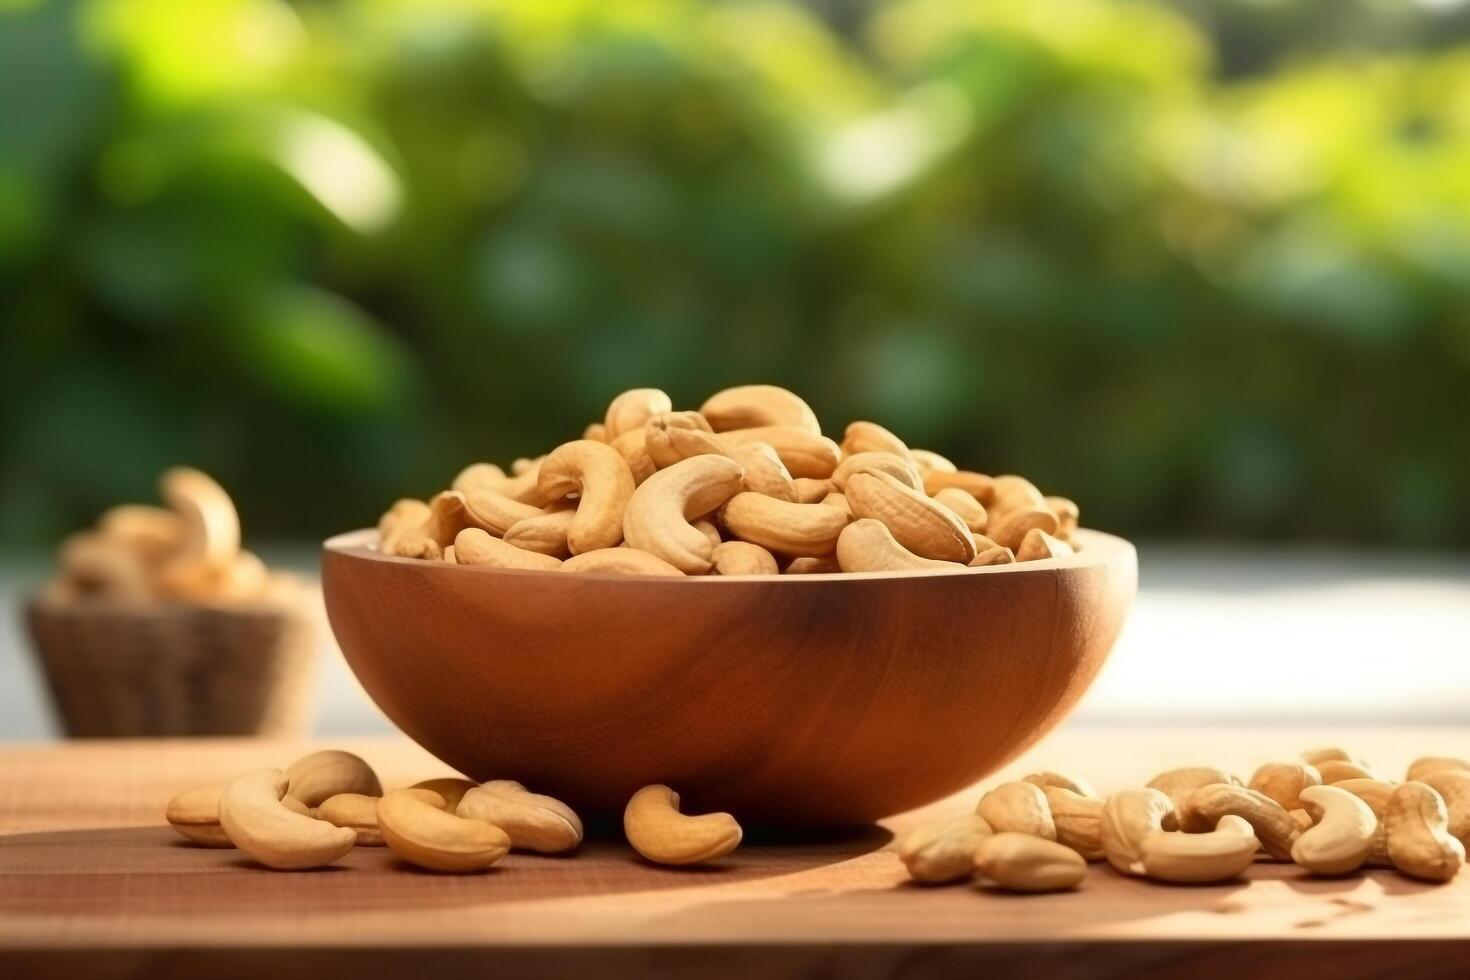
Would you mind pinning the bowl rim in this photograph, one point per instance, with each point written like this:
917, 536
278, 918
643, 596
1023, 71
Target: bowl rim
1094, 549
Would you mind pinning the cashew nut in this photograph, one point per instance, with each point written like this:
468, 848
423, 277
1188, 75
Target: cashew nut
1336, 770
671, 436
875, 462
1429, 764
1342, 832
993, 556
604, 484
810, 491
825, 565
1061, 781
1022, 863
764, 471
633, 447
1078, 820
314, 777
493, 511
1037, 545
194, 813
1284, 781
977, 485
449, 789
211, 533
965, 507
926, 528
632, 409
658, 516
928, 461
405, 514
619, 561
743, 558
758, 406
479, 476
258, 823
354, 811
1011, 492
783, 527
1019, 807
595, 431
427, 835
866, 545
446, 519
1068, 515
1206, 806
941, 852
1375, 793
1177, 784
1419, 842
545, 534
1216, 855
532, 821
1128, 817
476, 547
659, 832
1453, 786
870, 437
1008, 529
804, 453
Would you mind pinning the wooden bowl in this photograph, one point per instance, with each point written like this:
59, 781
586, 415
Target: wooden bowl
792, 700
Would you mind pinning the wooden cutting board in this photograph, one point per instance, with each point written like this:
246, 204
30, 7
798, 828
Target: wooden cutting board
93, 883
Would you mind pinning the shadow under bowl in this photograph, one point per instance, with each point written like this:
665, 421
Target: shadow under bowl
803, 700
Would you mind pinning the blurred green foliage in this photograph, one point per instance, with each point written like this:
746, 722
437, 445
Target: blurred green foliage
331, 251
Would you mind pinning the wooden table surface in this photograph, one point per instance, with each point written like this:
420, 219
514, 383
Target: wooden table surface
93, 883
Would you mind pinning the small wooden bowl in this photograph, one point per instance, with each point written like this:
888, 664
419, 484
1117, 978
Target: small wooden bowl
792, 700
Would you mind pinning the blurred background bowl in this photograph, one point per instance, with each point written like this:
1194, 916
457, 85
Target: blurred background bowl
803, 700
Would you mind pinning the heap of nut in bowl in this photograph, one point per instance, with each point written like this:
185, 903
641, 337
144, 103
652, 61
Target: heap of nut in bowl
745, 485
188, 552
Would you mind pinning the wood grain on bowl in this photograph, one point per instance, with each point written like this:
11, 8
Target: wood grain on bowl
811, 700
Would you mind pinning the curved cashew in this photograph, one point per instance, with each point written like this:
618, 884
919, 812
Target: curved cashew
405, 513
757, 406
658, 516
532, 821
1068, 515
764, 471
258, 823
479, 476
449, 789
599, 475
671, 436
1419, 843
633, 447
316, 776
1284, 781
493, 511
446, 519
810, 491
1177, 784
545, 534
1429, 764
800, 530
928, 461
993, 556
870, 437
211, 526
1047, 779
877, 462
1216, 855
1453, 786
1037, 545
941, 852
619, 561
194, 813
1008, 528
1375, 793
977, 485
632, 409
743, 558
430, 837
825, 565
965, 507
1342, 832
804, 453
1019, 807
355, 811
1022, 863
1078, 820
1206, 806
659, 832
476, 547
152, 533
928, 529
1128, 817
866, 545
1013, 492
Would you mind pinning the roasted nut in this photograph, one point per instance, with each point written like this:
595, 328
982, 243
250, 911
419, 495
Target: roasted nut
632, 409
1342, 833
425, 834
1020, 862
1419, 842
476, 547
1078, 820
1215, 855
671, 436
658, 516
783, 527
1019, 807
620, 561
600, 477
1129, 816
1205, 807
941, 852
319, 775
258, 823
867, 545
870, 437
927, 529
1284, 781
659, 832
533, 821
758, 406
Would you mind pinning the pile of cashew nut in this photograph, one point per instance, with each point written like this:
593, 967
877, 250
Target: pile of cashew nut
1329, 813
187, 552
323, 805
746, 485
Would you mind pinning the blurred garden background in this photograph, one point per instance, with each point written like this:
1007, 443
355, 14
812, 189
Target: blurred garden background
1202, 266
